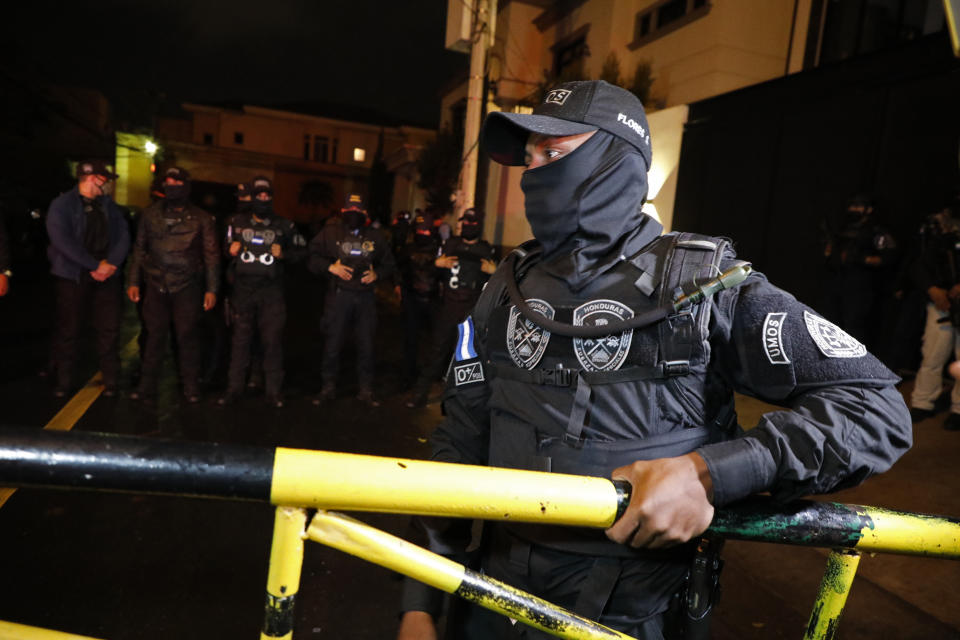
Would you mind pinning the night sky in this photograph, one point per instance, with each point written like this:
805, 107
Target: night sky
382, 56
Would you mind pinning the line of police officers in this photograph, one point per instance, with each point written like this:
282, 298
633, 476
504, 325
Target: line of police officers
174, 276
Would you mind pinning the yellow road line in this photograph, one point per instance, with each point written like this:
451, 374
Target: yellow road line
12, 631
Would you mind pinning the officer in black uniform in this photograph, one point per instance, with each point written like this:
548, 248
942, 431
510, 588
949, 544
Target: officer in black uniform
259, 243
176, 256
576, 361
418, 289
466, 263
355, 256
400, 230
858, 258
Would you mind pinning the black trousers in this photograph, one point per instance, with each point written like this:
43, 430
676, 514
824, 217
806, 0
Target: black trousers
452, 313
260, 312
359, 310
183, 308
418, 313
75, 301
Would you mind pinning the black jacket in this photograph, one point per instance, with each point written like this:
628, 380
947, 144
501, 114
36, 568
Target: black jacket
174, 248
255, 264
5, 258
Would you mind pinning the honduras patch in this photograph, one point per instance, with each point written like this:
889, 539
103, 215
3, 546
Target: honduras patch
526, 341
606, 353
466, 367
773, 338
832, 341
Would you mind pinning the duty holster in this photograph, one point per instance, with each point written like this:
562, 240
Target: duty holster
691, 608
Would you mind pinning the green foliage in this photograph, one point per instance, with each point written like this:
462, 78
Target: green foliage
642, 83
439, 168
611, 70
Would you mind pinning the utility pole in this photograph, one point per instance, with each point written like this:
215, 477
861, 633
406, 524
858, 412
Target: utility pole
484, 28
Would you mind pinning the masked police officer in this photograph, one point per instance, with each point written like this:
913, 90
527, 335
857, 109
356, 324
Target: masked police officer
576, 360
176, 259
419, 287
466, 262
259, 243
355, 257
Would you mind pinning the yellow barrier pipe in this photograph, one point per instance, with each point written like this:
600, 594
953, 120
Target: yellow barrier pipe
283, 576
911, 533
360, 540
832, 598
352, 482
13, 631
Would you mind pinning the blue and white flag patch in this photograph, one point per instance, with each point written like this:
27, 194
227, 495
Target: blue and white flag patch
465, 350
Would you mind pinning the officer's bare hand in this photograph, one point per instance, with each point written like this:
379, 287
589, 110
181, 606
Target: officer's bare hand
209, 301
417, 625
669, 502
368, 276
954, 292
341, 270
106, 269
276, 250
4, 284
446, 262
398, 292
487, 266
939, 298
234, 248
134, 294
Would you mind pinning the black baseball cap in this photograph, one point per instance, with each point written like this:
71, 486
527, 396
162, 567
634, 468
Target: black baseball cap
261, 184
95, 168
471, 216
177, 173
354, 202
569, 109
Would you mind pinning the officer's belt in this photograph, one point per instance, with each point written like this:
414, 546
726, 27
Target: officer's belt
570, 377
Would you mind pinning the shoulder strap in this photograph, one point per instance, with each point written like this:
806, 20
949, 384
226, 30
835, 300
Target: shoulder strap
494, 293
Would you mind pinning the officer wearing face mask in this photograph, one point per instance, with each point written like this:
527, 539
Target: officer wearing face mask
418, 289
354, 257
175, 268
466, 263
608, 348
259, 242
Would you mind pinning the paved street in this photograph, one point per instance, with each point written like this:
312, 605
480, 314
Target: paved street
124, 566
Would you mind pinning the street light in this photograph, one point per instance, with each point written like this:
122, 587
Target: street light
150, 147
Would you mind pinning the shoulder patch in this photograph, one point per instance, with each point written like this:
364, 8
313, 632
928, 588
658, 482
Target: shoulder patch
832, 341
465, 349
773, 338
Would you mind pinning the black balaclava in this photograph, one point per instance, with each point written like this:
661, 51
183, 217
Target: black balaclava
471, 225
263, 209
176, 195
585, 207
354, 219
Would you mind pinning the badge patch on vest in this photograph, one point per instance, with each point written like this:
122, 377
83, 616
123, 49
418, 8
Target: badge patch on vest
773, 338
606, 353
832, 341
526, 341
467, 373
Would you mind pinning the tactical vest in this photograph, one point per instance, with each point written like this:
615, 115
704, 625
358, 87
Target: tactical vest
589, 405
255, 257
466, 278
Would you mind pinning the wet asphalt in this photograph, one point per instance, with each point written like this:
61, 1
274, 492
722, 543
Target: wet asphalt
154, 567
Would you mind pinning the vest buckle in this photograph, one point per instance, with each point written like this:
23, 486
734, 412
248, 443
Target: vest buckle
557, 377
676, 368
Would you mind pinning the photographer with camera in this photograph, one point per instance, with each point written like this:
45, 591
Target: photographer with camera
938, 273
356, 256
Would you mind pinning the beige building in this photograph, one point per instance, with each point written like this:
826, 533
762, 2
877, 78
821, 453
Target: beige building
693, 49
313, 160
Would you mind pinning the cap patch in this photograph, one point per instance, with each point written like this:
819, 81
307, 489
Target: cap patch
773, 338
557, 96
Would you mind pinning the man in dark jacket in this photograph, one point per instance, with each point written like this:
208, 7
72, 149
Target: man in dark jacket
89, 241
354, 256
259, 242
176, 259
575, 360
418, 288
